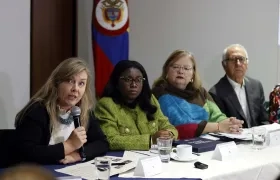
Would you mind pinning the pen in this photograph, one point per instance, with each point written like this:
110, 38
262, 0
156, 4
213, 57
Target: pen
116, 164
140, 153
196, 154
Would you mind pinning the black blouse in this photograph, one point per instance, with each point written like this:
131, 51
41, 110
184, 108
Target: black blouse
33, 135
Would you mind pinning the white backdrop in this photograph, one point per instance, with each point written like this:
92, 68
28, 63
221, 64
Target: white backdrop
158, 27
15, 59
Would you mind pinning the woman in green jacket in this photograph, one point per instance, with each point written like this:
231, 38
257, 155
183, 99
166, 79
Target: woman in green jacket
129, 114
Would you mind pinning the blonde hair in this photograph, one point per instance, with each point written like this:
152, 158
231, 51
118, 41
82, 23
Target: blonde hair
48, 94
174, 57
26, 172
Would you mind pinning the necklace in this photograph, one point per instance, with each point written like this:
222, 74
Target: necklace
65, 117
66, 121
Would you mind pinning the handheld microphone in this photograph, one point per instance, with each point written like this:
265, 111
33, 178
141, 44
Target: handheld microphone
76, 112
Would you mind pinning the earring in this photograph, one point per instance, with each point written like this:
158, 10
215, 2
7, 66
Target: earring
192, 80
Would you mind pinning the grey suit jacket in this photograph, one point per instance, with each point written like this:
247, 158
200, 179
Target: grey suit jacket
226, 98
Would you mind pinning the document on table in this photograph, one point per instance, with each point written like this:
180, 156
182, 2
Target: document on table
246, 134
87, 170
271, 127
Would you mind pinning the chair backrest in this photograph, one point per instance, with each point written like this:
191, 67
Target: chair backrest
274, 105
7, 147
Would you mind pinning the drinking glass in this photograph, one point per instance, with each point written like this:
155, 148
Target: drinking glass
164, 148
258, 138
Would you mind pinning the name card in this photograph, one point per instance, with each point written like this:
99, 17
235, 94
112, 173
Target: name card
225, 151
274, 138
148, 166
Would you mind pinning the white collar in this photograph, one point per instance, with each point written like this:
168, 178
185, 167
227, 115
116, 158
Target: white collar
63, 111
235, 84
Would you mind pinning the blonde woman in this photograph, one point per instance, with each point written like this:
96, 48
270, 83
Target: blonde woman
186, 103
45, 129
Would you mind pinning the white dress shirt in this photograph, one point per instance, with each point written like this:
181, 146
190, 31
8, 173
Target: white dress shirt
241, 95
62, 131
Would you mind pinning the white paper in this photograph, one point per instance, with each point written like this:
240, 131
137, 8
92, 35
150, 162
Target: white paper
148, 166
271, 127
246, 134
208, 136
225, 151
87, 170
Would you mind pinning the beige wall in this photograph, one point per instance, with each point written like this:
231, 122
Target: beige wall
15, 59
157, 27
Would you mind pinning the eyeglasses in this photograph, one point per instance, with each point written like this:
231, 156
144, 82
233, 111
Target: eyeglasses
241, 59
129, 80
184, 68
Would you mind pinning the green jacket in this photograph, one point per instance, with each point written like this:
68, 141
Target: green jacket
127, 128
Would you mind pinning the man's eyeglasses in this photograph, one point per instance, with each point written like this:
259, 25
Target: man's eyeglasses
129, 80
241, 59
184, 68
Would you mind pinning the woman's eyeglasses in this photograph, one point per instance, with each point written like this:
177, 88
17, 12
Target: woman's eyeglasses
184, 68
129, 80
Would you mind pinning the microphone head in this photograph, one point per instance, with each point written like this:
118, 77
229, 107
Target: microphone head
75, 111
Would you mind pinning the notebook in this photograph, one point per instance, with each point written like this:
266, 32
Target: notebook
199, 144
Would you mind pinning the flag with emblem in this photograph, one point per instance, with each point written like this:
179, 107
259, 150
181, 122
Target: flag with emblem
110, 37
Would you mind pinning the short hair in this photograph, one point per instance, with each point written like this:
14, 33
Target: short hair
144, 98
225, 52
26, 172
173, 57
48, 94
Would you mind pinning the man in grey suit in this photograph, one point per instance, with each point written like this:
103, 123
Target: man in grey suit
236, 94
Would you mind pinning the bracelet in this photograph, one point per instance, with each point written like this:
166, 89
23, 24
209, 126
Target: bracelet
151, 141
171, 134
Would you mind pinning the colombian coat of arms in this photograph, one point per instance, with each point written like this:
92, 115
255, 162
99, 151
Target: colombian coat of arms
111, 16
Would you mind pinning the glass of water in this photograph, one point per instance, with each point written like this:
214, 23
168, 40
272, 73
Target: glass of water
103, 166
164, 148
258, 138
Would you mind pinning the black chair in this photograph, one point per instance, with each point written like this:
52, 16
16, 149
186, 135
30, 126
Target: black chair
266, 107
7, 147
